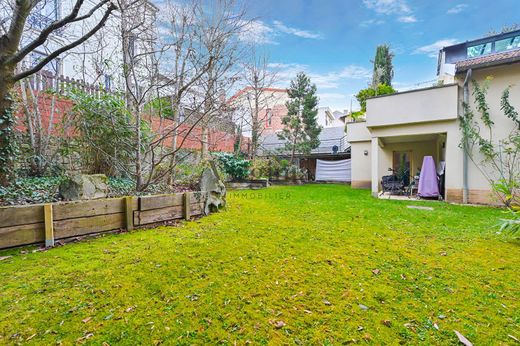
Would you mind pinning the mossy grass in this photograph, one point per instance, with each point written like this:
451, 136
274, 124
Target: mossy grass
313, 265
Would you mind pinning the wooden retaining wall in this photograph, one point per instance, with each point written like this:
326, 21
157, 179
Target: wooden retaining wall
31, 224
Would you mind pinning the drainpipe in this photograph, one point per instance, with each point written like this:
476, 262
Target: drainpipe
465, 100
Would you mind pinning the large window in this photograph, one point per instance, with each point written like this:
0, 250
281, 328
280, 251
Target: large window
508, 43
479, 50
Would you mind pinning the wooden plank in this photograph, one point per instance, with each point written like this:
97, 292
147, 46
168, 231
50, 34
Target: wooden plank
20, 215
78, 209
129, 213
187, 199
86, 225
197, 209
22, 235
49, 226
198, 196
159, 215
160, 201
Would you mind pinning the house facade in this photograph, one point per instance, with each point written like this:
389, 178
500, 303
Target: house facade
401, 129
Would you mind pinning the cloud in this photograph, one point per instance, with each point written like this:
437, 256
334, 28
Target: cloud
355, 72
259, 32
329, 80
336, 101
256, 31
371, 22
296, 32
399, 8
407, 19
457, 9
388, 7
432, 50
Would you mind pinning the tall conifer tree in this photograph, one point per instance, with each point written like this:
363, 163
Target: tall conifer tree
301, 130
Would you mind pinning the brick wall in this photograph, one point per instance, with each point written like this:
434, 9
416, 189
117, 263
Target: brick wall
188, 137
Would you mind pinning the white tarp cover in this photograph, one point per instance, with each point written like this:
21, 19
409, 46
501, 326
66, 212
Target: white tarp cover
333, 170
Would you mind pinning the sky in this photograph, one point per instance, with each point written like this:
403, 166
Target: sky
334, 41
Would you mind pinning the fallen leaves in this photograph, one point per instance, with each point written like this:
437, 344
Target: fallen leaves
5, 257
463, 339
277, 324
512, 337
376, 271
363, 307
86, 320
326, 302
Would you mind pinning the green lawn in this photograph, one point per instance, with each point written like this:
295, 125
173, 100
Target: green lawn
315, 264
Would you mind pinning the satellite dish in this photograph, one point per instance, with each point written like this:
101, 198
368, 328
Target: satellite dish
335, 149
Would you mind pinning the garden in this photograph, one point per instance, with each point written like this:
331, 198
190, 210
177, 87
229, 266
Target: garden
311, 264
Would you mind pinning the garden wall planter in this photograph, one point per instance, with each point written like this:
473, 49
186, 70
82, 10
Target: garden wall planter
286, 182
248, 184
32, 224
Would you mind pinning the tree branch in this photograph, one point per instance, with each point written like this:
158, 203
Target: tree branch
70, 46
56, 25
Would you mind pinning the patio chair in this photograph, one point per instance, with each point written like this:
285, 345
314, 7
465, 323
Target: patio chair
390, 183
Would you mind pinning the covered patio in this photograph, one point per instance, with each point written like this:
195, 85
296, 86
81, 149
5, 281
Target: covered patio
398, 166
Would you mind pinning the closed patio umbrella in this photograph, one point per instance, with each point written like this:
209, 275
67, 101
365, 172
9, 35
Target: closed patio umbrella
428, 181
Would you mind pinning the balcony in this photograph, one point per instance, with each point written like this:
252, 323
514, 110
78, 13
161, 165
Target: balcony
415, 106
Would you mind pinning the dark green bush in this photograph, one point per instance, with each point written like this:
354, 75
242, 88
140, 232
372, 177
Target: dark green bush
235, 167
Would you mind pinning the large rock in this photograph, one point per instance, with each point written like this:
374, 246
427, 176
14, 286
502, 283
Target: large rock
84, 186
211, 183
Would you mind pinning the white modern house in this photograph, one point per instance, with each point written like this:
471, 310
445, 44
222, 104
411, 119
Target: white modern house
402, 129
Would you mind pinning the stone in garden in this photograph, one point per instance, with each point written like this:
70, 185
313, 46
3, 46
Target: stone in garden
211, 183
84, 186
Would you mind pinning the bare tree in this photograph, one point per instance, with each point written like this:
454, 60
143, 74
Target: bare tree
222, 24
13, 26
188, 65
254, 106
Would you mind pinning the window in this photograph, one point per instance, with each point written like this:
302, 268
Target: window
132, 45
479, 50
44, 13
269, 118
108, 82
508, 43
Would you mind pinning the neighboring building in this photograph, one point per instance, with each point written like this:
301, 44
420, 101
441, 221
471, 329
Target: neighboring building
271, 109
328, 118
99, 60
99, 63
400, 129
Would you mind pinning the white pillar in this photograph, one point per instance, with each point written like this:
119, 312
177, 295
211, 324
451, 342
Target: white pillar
375, 166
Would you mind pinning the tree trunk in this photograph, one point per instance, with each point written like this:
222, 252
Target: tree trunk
176, 109
205, 142
6, 126
138, 159
255, 130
